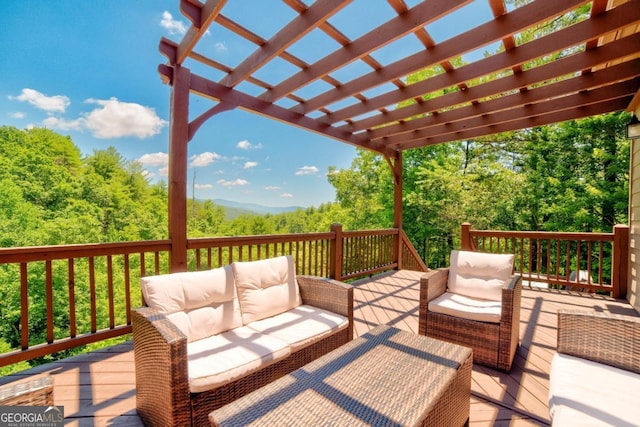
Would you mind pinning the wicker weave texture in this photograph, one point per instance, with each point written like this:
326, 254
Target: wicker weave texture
493, 344
602, 337
162, 385
385, 377
37, 392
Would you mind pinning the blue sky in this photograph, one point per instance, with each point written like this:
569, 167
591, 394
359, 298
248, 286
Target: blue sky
88, 69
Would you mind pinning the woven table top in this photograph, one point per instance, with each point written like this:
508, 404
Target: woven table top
385, 377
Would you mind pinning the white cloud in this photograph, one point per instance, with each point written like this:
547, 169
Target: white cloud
17, 115
51, 104
271, 188
307, 170
286, 195
148, 174
117, 119
174, 26
249, 165
234, 183
221, 47
203, 186
154, 159
164, 171
246, 145
62, 124
204, 159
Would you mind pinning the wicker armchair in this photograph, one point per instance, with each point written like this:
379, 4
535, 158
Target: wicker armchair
163, 396
487, 320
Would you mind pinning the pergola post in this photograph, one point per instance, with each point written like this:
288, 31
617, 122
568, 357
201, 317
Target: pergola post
397, 204
178, 156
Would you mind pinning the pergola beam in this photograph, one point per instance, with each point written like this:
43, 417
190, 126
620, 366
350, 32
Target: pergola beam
605, 76
579, 33
393, 29
229, 96
480, 36
550, 71
302, 24
525, 122
200, 17
548, 106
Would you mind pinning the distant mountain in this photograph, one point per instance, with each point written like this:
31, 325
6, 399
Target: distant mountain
255, 208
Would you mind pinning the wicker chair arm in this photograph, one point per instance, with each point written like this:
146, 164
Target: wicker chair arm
601, 337
433, 283
162, 381
328, 294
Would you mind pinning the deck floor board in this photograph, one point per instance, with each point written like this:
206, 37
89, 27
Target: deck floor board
98, 388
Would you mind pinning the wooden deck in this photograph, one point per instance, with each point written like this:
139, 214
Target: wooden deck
98, 389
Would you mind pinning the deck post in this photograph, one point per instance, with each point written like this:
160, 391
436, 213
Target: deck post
335, 255
178, 156
397, 206
465, 237
620, 262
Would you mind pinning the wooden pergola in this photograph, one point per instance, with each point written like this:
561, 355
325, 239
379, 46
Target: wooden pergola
376, 107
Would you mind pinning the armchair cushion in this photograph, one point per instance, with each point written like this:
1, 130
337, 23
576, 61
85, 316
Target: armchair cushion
479, 275
199, 303
301, 326
266, 287
223, 358
458, 305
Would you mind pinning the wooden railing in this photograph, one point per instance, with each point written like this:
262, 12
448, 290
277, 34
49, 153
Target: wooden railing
45, 286
592, 262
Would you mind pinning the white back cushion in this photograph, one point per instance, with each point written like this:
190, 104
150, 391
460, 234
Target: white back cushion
266, 288
200, 303
479, 275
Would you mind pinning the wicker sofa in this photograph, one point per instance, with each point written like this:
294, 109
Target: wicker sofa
595, 374
206, 338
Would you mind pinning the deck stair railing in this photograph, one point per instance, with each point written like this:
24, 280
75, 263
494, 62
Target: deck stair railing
45, 287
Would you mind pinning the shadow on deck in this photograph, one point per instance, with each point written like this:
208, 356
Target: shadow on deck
98, 388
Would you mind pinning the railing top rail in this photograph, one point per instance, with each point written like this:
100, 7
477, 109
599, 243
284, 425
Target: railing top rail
47, 253
201, 242
566, 235
382, 232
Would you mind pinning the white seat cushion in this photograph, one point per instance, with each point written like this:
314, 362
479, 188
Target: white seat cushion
301, 326
228, 356
479, 275
456, 305
586, 393
199, 303
266, 287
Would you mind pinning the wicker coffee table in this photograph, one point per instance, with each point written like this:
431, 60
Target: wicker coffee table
386, 377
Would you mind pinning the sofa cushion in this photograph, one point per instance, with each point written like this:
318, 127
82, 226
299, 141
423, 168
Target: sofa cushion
228, 356
301, 326
481, 310
200, 303
479, 275
583, 392
266, 288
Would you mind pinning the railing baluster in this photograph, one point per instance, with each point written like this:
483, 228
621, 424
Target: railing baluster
49, 300
127, 288
24, 307
92, 294
72, 298
112, 316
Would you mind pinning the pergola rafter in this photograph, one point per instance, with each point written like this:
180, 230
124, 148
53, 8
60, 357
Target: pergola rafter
378, 107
